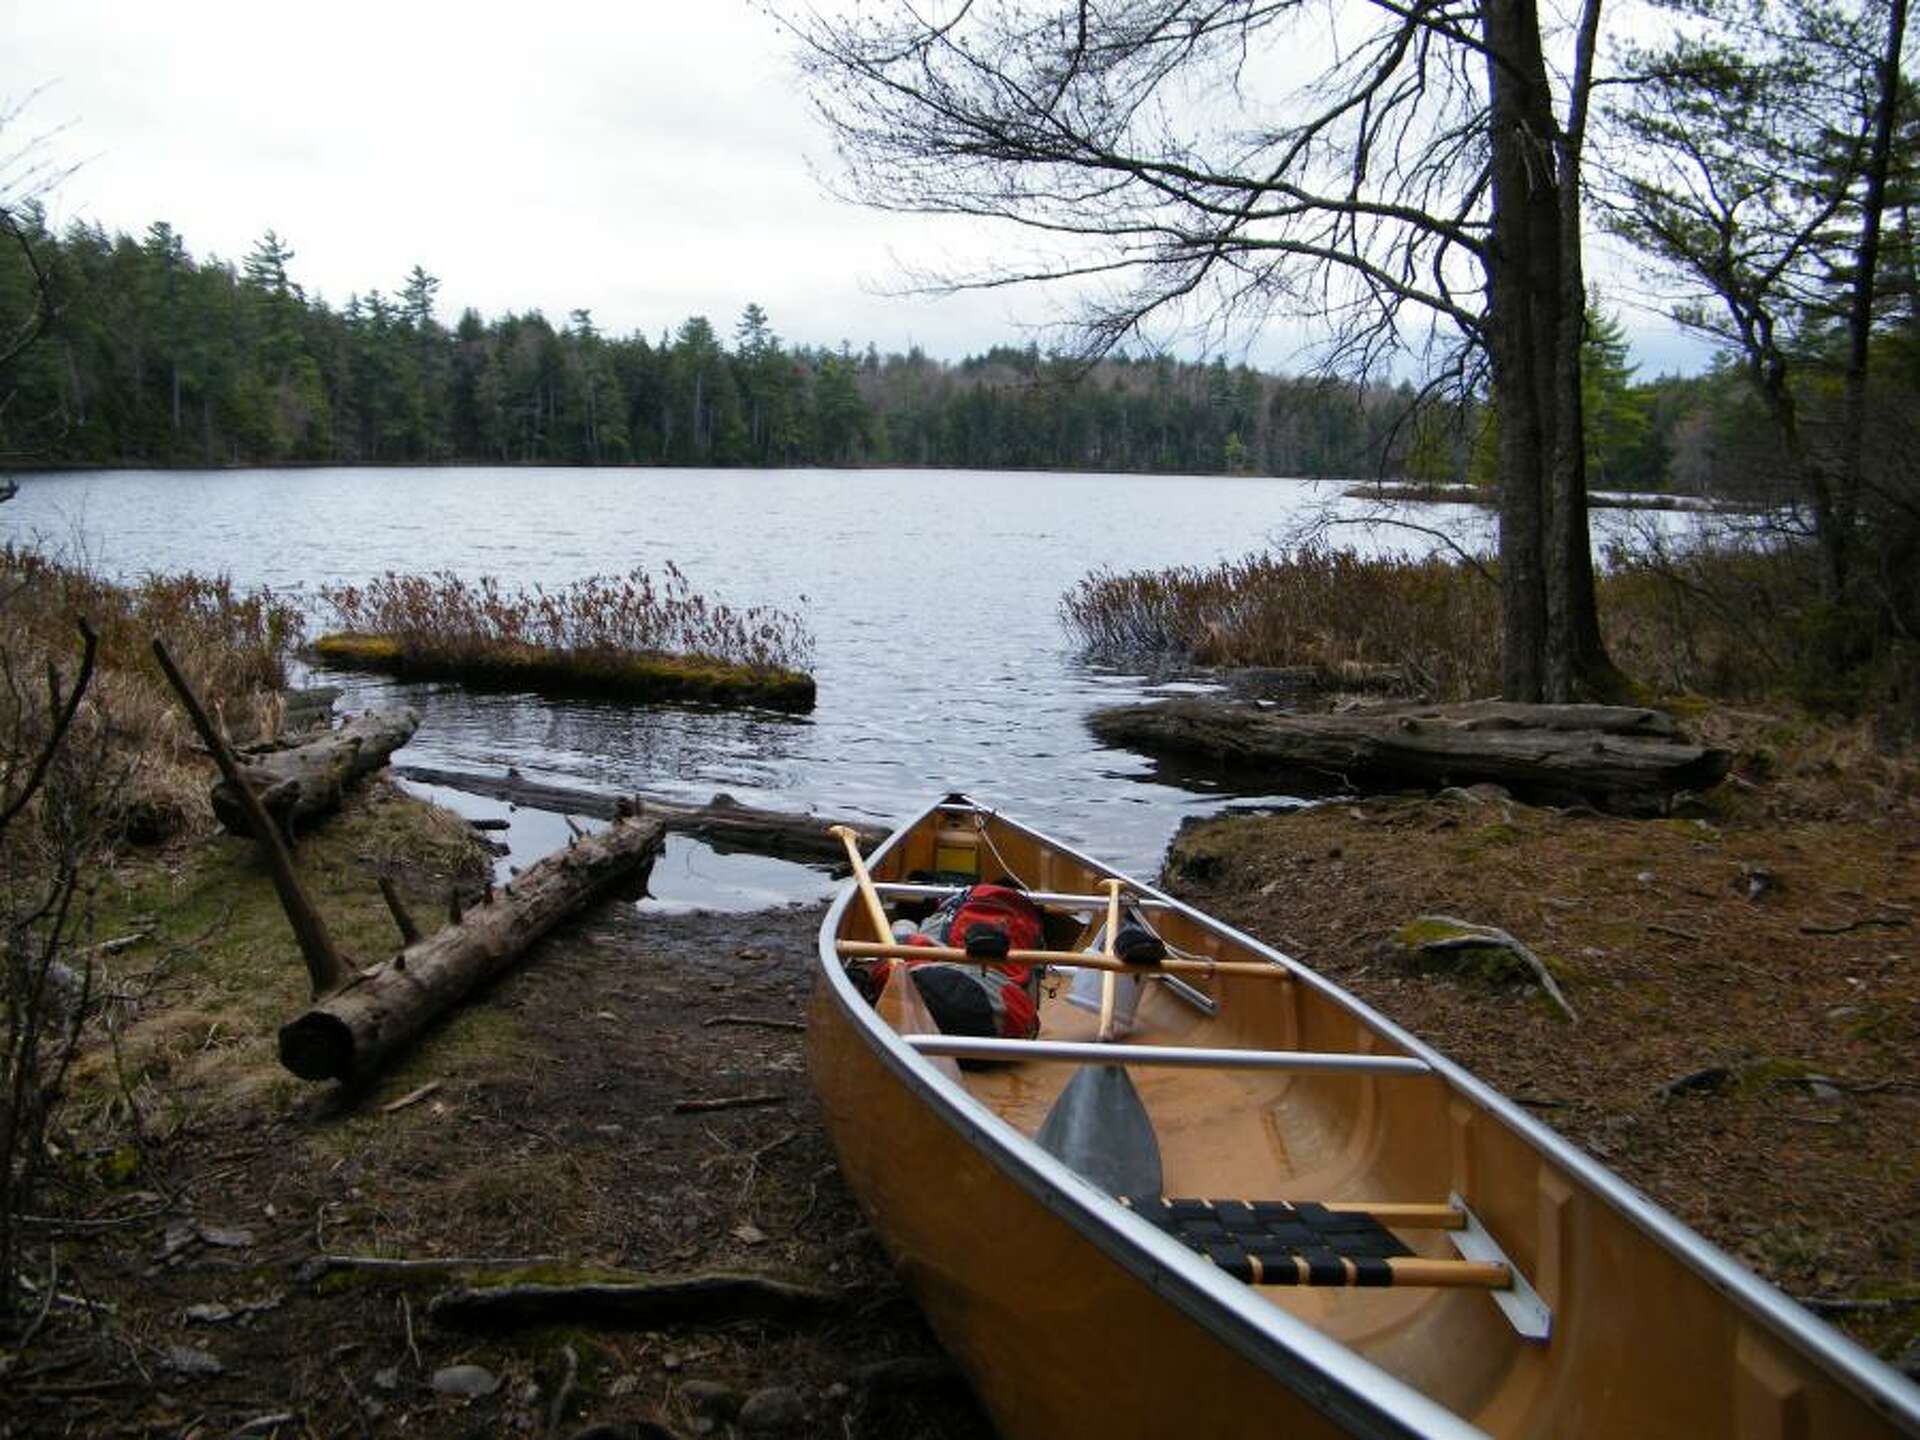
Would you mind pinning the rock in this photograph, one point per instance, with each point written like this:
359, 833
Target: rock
711, 1398
473, 1382
193, 1362
387, 1379
778, 1409
210, 1314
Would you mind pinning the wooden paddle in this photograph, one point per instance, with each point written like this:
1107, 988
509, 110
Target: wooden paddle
1098, 1125
900, 1004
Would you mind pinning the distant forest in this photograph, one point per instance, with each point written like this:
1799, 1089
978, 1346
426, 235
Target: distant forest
158, 358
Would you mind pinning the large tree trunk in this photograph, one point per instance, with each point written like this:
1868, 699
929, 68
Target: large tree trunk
308, 780
1619, 757
349, 1034
1534, 325
1523, 242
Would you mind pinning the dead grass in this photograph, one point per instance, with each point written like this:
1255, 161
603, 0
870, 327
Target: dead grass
1733, 617
231, 644
601, 618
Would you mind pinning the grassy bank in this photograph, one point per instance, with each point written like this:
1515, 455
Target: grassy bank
622, 637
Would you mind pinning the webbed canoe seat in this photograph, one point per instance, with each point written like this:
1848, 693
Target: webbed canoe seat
1280, 1242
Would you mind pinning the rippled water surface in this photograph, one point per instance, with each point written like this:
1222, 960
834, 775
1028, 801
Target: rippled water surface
933, 597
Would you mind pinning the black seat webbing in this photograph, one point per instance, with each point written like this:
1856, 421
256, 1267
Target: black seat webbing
1275, 1242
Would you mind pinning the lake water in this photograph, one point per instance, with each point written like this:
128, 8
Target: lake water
933, 598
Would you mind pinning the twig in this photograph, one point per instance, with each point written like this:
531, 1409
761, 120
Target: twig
563, 1396
1657, 928
406, 1314
1892, 922
46, 1306
78, 1225
645, 1304
319, 1265
412, 1097
726, 1102
766, 1022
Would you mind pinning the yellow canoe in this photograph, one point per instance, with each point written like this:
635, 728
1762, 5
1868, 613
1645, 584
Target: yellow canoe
1352, 1236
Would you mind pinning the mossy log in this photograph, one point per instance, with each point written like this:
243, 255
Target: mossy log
545, 671
723, 822
300, 783
682, 1300
1615, 756
350, 1033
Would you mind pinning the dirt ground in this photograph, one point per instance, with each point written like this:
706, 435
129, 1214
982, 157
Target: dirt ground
1747, 1052
1745, 974
538, 1125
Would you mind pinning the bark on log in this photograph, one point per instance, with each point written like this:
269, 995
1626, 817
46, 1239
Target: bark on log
692, 1300
349, 1034
1433, 745
306, 781
723, 822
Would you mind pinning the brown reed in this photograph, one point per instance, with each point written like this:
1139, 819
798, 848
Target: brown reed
600, 618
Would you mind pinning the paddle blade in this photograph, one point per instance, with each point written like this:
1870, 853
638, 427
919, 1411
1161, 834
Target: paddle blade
1099, 1128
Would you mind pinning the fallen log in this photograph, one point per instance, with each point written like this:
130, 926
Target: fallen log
303, 782
1621, 761
693, 1299
723, 822
348, 1034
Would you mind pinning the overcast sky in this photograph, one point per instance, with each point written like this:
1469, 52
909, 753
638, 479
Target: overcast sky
645, 160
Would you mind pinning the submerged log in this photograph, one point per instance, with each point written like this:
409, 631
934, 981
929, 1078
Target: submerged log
349, 1034
723, 822
303, 782
1624, 757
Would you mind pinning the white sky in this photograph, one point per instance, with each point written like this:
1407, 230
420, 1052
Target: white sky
646, 160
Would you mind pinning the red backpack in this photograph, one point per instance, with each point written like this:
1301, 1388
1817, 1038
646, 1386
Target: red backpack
997, 907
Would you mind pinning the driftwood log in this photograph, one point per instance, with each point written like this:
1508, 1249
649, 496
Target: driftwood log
300, 783
723, 822
348, 1034
1619, 756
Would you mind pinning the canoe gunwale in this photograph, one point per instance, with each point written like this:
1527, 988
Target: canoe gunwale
1323, 1371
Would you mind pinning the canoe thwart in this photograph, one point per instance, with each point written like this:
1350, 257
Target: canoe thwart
1189, 1057
1046, 899
1280, 1242
1064, 960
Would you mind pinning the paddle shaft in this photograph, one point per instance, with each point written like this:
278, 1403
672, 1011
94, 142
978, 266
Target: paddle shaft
876, 912
1109, 982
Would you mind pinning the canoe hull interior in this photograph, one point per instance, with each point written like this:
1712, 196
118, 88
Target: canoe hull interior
1072, 1316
